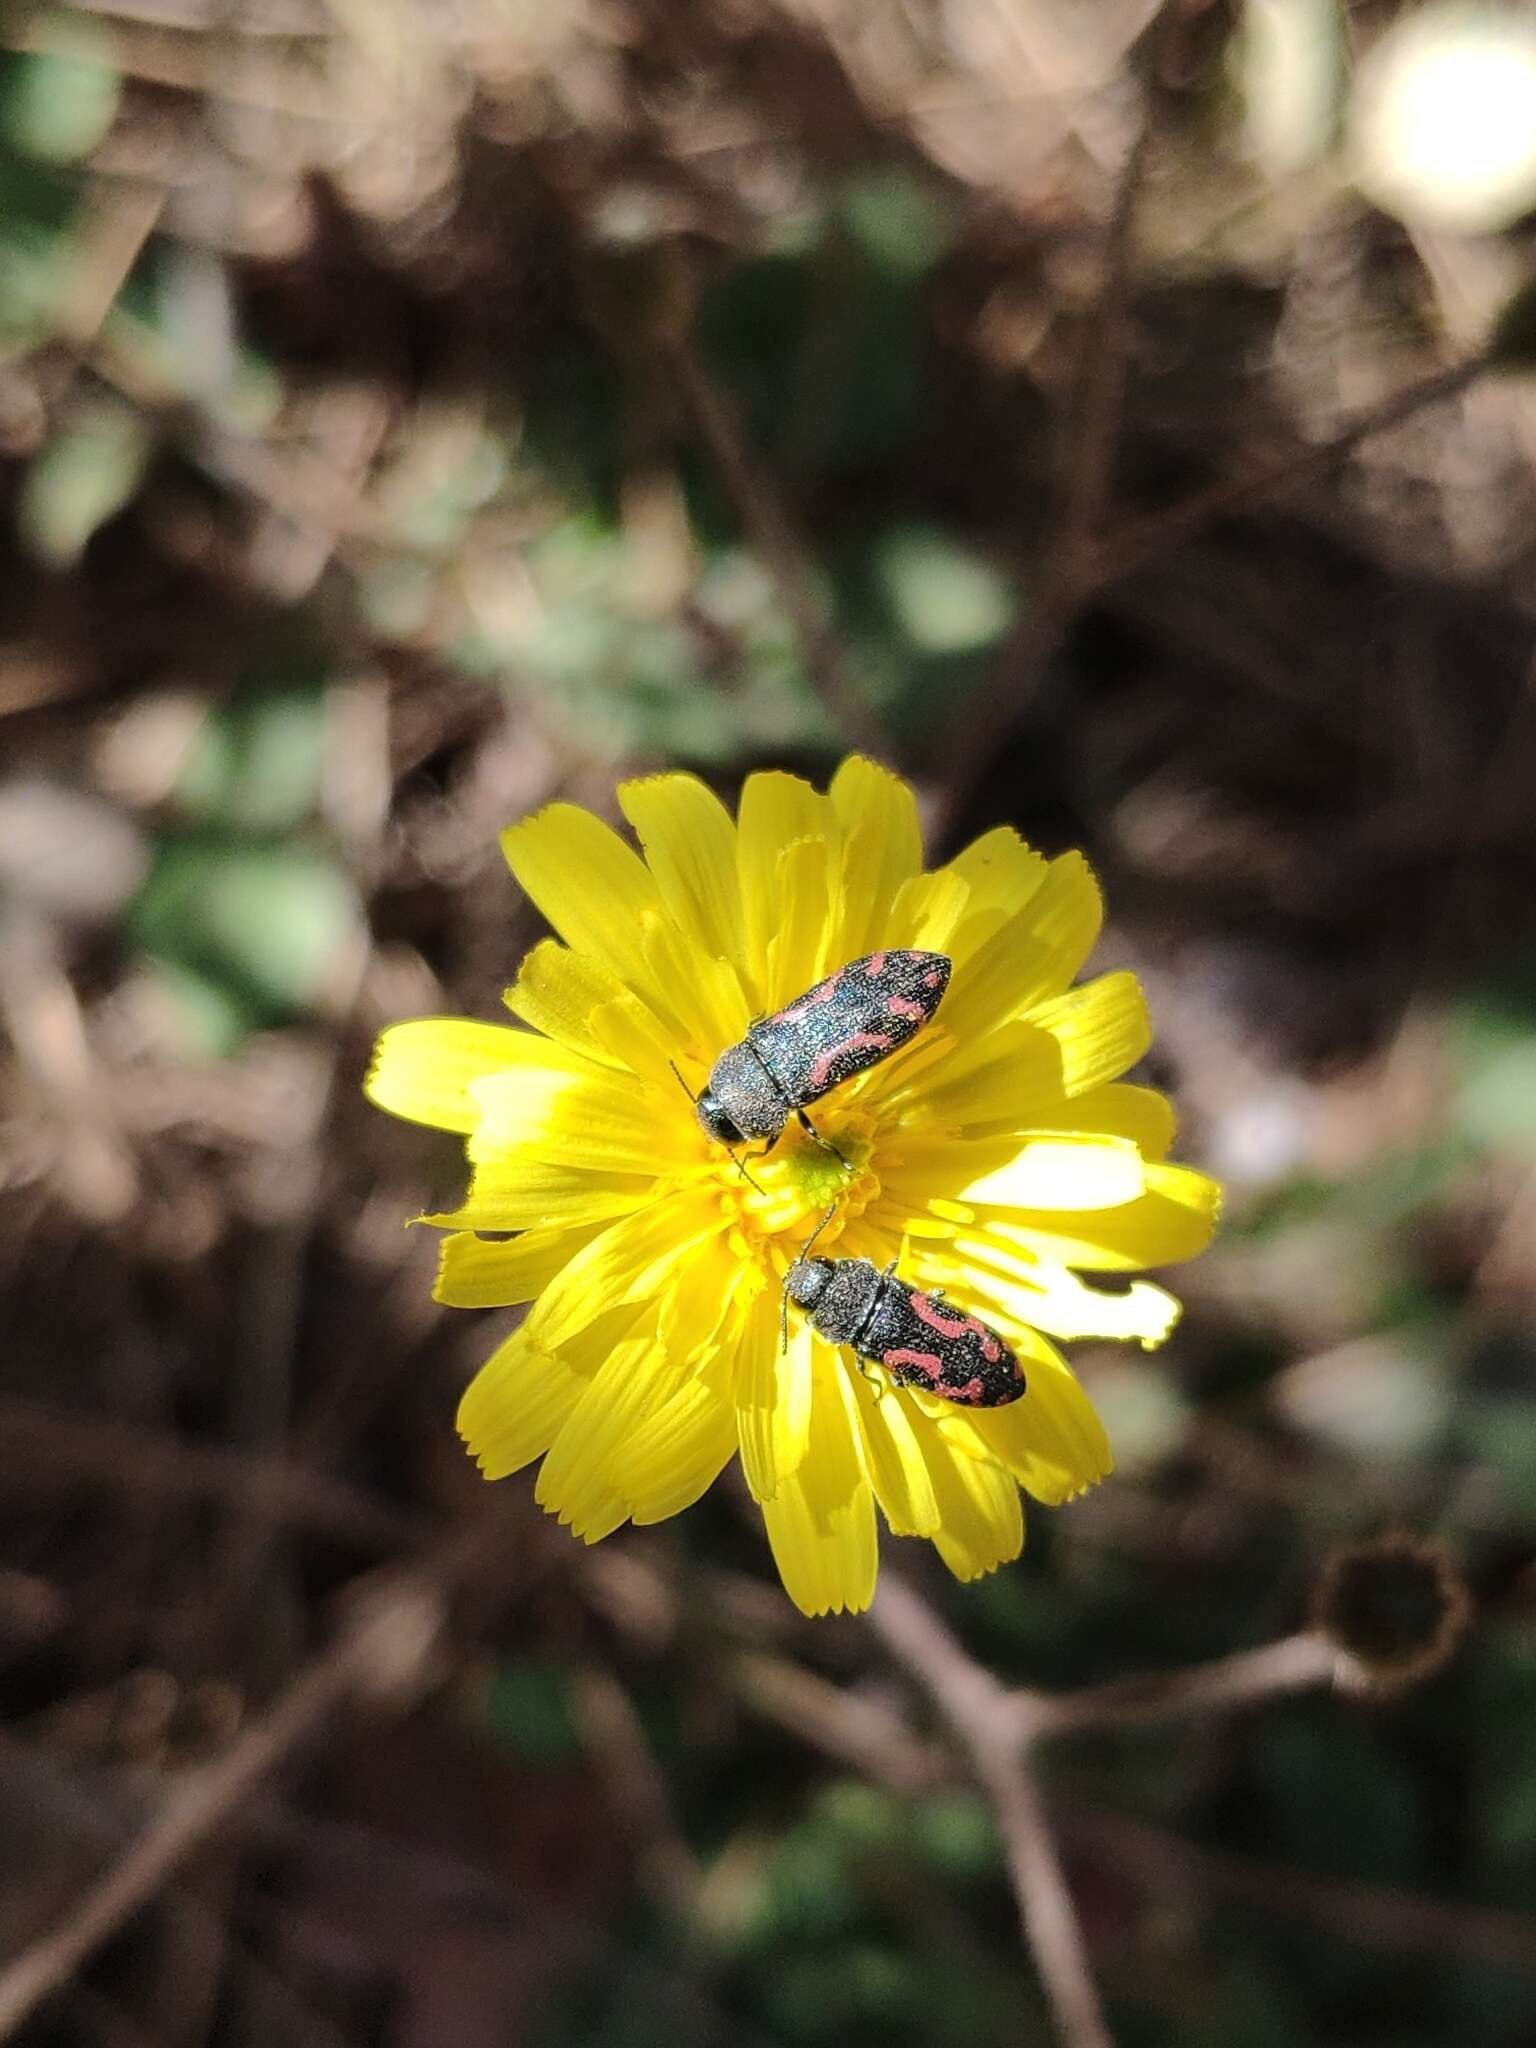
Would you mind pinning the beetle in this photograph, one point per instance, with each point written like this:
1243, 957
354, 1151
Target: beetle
916, 1335
843, 1025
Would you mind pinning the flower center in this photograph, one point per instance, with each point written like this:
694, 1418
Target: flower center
798, 1182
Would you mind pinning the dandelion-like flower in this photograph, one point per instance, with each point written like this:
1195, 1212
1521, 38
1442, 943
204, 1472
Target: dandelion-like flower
997, 1156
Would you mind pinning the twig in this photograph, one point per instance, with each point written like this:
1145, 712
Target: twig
50, 1448
1294, 1664
616, 1740
1094, 416
383, 1651
760, 508
1143, 540
985, 1717
1376, 1914
1051, 608
861, 1731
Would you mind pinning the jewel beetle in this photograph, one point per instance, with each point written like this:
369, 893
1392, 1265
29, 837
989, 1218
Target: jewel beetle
919, 1339
837, 1029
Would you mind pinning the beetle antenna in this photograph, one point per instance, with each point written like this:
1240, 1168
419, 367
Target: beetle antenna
735, 1159
784, 1285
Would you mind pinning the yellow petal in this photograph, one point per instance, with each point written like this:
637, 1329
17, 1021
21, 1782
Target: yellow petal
927, 910
631, 1261
515, 1405
1032, 955
882, 850
1000, 871
1009, 1289
1000, 874
698, 1299
821, 1522
596, 892
516, 1190
1051, 1439
626, 1029
690, 847
705, 996
424, 1070
1173, 1220
775, 811
773, 1396
1102, 1028
577, 1481
982, 1061
806, 888
981, 1524
893, 1457
484, 1272
1116, 1109
593, 1117
678, 1451
1067, 1172
556, 992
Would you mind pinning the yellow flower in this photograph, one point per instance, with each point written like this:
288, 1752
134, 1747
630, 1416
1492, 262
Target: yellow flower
995, 1155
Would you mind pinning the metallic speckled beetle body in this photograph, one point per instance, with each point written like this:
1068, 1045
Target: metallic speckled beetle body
919, 1339
837, 1029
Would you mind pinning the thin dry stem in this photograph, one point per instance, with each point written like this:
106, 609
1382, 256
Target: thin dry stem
381, 1653
759, 505
1293, 1664
1094, 418
1144, 540
984, 1716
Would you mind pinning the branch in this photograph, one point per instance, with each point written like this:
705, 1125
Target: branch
1143, 540
1094, 417
1379, 1915
764, 517
985, 1717
382, 1651
1294, 1664
43, 1447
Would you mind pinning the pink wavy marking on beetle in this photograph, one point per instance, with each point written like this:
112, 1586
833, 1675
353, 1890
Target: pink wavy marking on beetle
956, 1326
971, 1391
876, 966
932, 978
822, 993
903, 1006
822, 1068
924, 1362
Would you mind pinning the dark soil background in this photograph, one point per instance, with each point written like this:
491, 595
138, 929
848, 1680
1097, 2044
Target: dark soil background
411, 412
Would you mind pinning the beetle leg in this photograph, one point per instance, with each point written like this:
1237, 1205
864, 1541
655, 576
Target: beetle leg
825, 1143
867, 1372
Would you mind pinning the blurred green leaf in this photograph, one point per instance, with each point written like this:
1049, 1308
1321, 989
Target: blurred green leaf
864, 1816
1494, 1043
278, 928
1500, 1430
898, 220
57, 107
527, 1706
209, 1018
87, 471
956, 1835
944, 597
809, 1888
257, 760
1148, 1413
1376, 1397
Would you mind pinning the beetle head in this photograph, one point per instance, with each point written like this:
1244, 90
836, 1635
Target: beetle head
716, 1121
806, 1281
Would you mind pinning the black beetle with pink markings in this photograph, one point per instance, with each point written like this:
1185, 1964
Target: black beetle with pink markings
919, 1339
849, 1022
